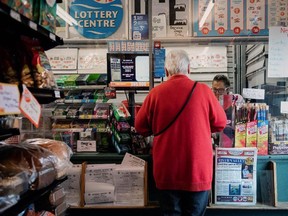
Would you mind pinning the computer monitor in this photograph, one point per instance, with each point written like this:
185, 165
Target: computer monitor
128, 71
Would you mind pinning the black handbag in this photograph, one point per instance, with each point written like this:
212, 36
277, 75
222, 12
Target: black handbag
180, 111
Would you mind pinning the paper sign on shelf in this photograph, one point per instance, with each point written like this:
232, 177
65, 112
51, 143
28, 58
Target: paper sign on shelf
253, 93
132, 161
284, 107
9, 99
30, 107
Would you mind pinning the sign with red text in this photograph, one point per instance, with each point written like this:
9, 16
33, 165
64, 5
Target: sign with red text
30, 107
237, 17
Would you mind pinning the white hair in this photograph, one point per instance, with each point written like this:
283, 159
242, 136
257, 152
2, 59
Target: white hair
177, 62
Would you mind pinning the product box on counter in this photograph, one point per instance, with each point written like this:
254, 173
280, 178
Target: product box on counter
262, 137
278, 136
278, 148
121, 113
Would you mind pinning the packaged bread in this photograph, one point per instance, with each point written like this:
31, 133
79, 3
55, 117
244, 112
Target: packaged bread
12, 181
36, 162
60, 149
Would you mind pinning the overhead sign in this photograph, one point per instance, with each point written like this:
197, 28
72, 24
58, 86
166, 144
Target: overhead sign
237, 17
97, 19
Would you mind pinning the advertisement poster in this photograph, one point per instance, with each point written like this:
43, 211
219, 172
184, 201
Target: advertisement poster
206, 59
238, 17
92, 60
63, 59
140, 27
235, 176
170, 18
278, 13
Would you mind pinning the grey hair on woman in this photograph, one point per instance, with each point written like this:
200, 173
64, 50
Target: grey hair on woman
177, 62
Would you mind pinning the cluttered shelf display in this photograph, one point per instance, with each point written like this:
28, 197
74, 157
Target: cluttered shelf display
32, 170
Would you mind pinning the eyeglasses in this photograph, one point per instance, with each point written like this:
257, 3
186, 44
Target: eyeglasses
220, 90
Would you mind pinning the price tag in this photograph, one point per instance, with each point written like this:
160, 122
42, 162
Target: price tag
33, 25
88, 146
57, 94
30, 107
9, 98
253, 93
52, 36
284, 107
15, 15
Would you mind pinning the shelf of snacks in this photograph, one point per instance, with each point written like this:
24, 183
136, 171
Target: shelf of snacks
81, 81
100, 111
45, 96
83, 87
27, 24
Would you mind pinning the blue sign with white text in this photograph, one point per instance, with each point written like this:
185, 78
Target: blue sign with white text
140, 27
97, 19
159, 62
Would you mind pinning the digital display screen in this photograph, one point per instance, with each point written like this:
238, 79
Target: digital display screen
128, 70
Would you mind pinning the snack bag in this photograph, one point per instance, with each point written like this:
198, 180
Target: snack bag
240, 135
251, 134
262, 137
43, 74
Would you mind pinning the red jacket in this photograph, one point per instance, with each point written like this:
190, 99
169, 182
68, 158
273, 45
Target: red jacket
183, 154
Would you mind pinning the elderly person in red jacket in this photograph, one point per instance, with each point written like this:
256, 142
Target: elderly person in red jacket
182, 150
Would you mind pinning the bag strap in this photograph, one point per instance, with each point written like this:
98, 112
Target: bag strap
180, 111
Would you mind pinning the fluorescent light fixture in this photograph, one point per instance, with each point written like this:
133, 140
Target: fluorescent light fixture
65, 16
206, 13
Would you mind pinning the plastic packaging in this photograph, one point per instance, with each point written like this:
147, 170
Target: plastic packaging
36, 162
61, 151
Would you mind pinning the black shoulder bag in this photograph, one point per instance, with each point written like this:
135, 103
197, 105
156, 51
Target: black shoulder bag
180, 111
